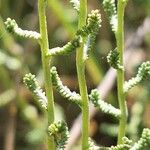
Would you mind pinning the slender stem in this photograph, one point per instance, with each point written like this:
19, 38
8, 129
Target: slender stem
46, 67
120, 73
80, 63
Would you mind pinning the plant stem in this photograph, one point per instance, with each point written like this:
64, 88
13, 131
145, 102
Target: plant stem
120, 73
80, 63
46, 67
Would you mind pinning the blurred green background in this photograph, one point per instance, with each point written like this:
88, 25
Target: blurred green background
22, 122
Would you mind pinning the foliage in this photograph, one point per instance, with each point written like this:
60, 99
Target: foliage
19, 59
103, 106
64, 90
60, 132
32, 84
12, 27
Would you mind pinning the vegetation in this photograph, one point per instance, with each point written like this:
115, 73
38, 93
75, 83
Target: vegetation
82, 44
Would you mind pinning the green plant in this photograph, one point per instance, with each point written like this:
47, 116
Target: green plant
83, 42
115, 59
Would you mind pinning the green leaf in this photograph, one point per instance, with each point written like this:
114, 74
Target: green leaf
103, 106
32, 84
59, 131
12, 27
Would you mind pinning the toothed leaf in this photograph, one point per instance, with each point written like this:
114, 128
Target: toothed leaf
59, 131
110, 8
64, 90
32, 84
103, 106
113, 59
143, 73
144, 142
12, 27
66, 49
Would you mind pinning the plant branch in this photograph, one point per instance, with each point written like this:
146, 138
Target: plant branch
80, 63
120, 73
46, 67
133, 41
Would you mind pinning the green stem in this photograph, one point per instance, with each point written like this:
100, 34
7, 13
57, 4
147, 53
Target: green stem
120, 73
46, 67
80, 63
60, 12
